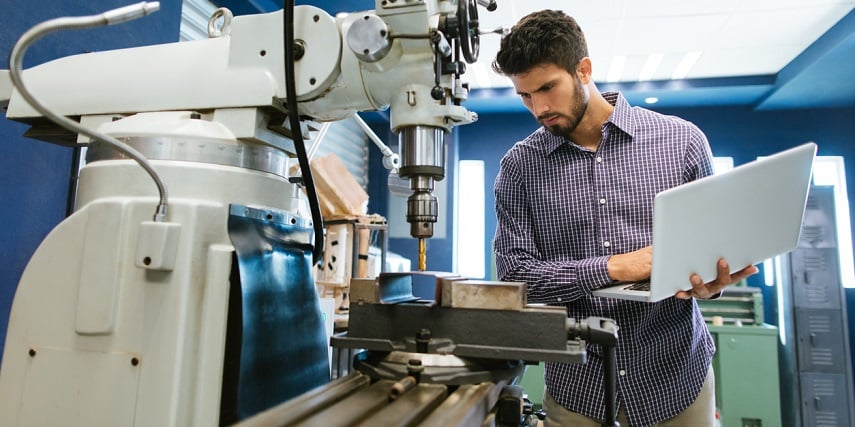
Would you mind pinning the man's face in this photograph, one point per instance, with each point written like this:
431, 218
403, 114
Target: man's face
557, 98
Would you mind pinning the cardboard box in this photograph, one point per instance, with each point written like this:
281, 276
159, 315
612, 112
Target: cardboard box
338, 192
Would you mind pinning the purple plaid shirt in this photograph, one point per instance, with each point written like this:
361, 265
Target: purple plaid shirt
562, 211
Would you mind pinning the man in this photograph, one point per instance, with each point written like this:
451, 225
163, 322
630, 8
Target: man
574, 203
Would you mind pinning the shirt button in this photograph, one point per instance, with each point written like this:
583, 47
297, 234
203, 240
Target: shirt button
599, 159
607, 244
602, 201
622, 372
559, 299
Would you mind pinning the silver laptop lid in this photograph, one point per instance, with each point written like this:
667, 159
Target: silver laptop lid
746, 215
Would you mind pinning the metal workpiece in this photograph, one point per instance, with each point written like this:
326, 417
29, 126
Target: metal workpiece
365, 290
393, 291
484, 294
398, 287
452, 290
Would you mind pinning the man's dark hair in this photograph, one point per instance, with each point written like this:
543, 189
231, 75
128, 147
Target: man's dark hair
543, 37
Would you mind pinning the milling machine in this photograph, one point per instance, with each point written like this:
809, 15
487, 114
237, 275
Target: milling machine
180, 290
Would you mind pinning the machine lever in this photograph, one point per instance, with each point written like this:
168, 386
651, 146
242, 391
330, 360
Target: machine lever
490, 5
391, 160
602, 331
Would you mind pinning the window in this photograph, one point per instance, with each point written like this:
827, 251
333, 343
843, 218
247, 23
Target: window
469, 246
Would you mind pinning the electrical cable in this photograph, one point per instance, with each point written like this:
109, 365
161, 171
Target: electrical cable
296, 131
111, 17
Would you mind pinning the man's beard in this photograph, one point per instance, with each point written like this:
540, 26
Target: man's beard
578, 108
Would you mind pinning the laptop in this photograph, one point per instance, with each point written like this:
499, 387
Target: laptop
746, 215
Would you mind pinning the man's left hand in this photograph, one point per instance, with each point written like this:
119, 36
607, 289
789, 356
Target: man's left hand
724, 279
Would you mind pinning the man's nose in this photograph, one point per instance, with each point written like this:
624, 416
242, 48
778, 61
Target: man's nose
539, 106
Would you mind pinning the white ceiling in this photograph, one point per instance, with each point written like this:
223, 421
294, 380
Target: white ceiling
735, 38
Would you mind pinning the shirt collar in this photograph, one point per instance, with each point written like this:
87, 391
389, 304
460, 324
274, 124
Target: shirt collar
621, 118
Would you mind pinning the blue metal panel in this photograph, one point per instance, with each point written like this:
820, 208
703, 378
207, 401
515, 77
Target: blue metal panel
283, 345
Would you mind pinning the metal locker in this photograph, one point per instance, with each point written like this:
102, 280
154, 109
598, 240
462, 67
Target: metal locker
820, 340
824, 400
815, 278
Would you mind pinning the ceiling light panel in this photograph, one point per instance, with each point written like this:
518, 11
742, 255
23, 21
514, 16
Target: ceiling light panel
651, 66
686, 65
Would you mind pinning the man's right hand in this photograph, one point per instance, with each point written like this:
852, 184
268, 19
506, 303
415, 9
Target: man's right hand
632, 266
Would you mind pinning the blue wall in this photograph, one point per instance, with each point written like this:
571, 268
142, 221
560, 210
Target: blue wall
35, 176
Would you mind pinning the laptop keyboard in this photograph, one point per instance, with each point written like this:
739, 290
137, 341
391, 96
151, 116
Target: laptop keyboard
639, 286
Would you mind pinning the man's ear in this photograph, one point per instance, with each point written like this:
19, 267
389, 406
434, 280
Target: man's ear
583, 70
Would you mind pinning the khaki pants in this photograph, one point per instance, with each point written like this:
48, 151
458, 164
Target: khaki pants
700, 414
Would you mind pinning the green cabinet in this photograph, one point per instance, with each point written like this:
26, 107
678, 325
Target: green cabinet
747, 389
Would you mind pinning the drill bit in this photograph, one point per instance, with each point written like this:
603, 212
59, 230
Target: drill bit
422, 255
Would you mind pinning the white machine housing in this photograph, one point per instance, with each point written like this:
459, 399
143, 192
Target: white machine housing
119, 320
